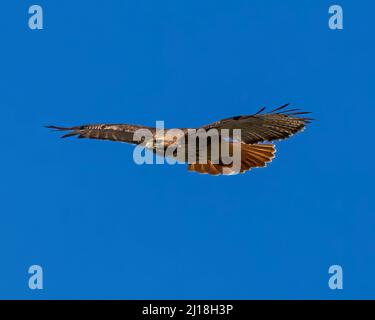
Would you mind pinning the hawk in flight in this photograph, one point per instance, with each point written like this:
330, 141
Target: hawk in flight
255, 129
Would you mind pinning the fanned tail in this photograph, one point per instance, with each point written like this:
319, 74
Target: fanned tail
252, 156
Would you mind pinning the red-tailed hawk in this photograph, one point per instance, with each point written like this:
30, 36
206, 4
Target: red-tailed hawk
280, 123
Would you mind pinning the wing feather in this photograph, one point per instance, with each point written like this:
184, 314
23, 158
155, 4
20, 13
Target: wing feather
113, 132
278, 124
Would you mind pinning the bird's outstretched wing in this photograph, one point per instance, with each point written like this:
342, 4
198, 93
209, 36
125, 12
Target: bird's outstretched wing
114, 132
280, 123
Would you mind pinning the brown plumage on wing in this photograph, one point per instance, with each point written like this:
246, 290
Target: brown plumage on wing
278, 124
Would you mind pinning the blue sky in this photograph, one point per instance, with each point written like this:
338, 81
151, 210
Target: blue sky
103, 227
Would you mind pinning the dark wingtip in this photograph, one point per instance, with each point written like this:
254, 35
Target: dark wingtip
57, 128
279, 108
260, 110
299, 112
51, 127
61, 128
69, 134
